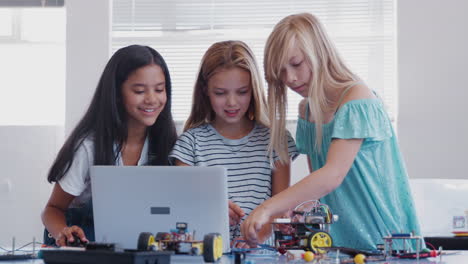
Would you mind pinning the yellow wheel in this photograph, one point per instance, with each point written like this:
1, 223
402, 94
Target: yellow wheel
360, 259
212, 247
145, 241
317, 240
218, 247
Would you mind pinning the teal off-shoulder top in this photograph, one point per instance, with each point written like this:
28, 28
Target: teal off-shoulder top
374, 200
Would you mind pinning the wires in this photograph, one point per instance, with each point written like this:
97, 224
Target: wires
4, 249
260, 247
314, 213
328, 212
314, 202
20, 249
317, 209
429, 244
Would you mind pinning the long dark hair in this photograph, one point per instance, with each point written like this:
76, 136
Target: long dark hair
106, 120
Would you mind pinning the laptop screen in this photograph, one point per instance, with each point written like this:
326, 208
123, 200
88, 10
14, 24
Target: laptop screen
128, 200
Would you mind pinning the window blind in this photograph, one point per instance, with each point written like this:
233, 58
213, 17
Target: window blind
182, 30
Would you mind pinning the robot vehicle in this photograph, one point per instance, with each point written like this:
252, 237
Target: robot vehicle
180, 241
307, 229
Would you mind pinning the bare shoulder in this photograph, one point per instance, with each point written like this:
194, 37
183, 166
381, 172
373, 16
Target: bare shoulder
302, 108
358, 91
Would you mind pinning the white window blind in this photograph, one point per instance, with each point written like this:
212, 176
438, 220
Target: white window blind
182, 30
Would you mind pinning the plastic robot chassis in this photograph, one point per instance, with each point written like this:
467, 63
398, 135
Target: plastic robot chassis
180, 241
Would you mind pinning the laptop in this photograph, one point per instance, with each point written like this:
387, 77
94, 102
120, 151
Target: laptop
128, 200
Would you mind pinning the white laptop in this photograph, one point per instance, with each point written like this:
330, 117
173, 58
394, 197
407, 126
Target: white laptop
128, 200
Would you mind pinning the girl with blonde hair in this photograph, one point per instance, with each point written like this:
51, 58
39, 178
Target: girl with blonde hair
353, 155
228, 126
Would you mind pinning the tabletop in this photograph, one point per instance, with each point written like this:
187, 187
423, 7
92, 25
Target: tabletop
449, 257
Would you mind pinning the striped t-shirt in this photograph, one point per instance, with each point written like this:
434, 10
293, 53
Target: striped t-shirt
246, 160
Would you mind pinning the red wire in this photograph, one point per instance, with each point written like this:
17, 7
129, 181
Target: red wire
429, 244
291, 242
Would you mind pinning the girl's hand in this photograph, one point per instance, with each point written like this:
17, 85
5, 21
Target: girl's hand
253, 224
235, 213
66, 235
239, 244
287, 228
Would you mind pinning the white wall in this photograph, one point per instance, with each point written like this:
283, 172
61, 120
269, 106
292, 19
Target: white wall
88, 49
437, 202
25, 158
432, 69
27, 152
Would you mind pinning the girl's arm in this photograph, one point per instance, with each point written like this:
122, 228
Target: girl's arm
180, 163
280, 179
53, 217
317, 184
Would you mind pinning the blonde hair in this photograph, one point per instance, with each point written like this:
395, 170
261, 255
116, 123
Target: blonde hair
327, 68
226, 55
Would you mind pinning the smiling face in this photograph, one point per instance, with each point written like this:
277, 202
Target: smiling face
230, 92
296, 73
144, 96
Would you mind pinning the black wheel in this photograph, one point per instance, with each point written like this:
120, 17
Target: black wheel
145, 240
212, 247
317, 240
162, 236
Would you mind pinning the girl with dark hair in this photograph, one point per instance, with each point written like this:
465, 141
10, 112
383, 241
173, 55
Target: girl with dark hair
128, 122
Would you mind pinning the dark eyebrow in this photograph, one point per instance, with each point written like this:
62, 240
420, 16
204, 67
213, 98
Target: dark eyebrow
138, 85
242, 87
144, 85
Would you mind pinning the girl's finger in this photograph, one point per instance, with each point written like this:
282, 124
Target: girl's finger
236, 209
68, 234
80, 233
60, 241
